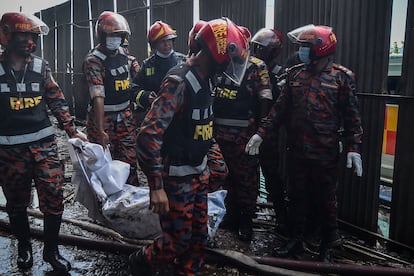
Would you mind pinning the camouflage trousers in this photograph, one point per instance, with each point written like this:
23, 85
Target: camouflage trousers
39, 162
121, 129
184, 228
242, 180
217, 167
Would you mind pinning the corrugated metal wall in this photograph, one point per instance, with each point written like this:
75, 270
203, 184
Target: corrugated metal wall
407, 80
179, 14
135, 13
362, 29
363, 32
81, 46
248, 13
402, 215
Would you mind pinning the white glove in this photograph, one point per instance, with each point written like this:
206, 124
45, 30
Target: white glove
354, 159
252, 147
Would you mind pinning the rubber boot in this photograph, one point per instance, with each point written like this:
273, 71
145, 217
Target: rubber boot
50, 251
21, 229
330, 239
290, 248
138, 264
245, 231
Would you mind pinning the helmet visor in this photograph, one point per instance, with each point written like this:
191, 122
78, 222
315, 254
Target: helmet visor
37, 26
294, 35
237, 66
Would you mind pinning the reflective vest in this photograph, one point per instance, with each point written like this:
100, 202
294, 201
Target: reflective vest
189, 136
155, 68
23, 111
116, 81
234, 105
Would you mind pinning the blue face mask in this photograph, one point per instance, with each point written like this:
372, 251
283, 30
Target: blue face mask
304, 55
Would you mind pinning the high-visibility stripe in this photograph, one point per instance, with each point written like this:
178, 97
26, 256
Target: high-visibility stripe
116, 107
231, 122
185, 170
27, 138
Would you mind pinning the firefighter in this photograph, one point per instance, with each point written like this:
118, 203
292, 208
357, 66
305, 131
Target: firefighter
109, 70
266, 45
28, 148
215, 160
238, 109
161, 38
173, 142
318, 100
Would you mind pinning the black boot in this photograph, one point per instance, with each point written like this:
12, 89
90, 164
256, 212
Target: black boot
20, 227
330, 239
50, 251
291, 247
138, 264
325, 253
245, 232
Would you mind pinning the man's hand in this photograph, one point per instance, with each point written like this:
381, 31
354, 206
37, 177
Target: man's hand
159, 202
353, 159
252, 147
103, 138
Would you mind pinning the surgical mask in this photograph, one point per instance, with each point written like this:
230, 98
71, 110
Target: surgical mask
304, 53
113, 43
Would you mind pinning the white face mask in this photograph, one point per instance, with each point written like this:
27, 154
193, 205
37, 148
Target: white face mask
113, 43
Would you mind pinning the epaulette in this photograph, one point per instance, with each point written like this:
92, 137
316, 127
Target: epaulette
342, 68
294, 67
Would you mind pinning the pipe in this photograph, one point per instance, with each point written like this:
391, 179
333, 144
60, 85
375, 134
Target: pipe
277, 263
336, 268
116, 247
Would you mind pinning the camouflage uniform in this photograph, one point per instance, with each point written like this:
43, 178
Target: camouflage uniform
172, 148
313, 107
270, 155
237, 112
217, 168
28, 149
118, 120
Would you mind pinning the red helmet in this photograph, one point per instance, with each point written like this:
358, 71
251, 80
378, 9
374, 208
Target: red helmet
321, 39
247, 34
109, 22
160, 31
267, 44
193, 47
13, 22
228, 47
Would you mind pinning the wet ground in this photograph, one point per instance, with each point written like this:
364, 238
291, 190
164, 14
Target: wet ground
107, 261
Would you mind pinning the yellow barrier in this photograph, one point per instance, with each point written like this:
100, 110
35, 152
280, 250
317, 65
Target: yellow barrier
390, 129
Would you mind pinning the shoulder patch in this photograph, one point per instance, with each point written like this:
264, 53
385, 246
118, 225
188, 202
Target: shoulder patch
342, 68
